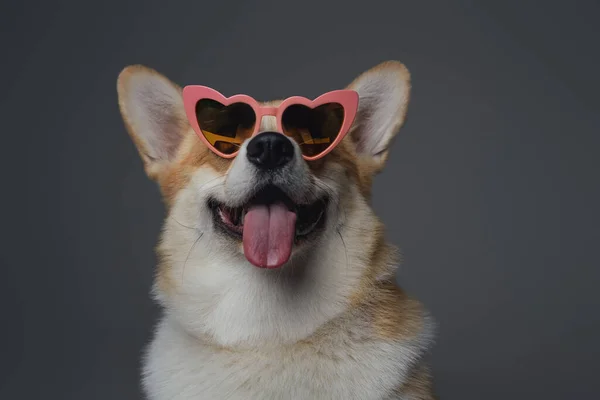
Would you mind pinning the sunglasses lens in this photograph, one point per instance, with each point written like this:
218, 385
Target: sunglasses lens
225, 127
314, 129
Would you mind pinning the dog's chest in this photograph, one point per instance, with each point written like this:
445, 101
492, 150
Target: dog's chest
178, 368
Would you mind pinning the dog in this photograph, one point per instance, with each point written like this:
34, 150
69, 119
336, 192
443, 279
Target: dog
321, 319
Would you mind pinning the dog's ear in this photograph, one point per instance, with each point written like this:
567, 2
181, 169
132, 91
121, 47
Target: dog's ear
152, 108
384, 92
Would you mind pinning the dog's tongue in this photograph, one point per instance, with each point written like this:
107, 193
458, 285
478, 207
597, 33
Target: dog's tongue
268, 235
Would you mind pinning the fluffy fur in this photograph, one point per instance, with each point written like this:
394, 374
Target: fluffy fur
331, 323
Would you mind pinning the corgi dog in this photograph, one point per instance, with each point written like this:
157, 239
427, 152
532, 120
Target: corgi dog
274, 276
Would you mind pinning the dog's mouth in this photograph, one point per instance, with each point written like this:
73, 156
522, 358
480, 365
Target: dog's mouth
269, 224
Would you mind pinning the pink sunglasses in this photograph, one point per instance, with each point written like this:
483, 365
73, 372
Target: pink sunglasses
224, 123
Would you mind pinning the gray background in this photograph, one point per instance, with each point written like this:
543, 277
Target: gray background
491, 190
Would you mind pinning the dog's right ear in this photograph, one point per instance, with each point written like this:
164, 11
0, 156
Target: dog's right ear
152, 108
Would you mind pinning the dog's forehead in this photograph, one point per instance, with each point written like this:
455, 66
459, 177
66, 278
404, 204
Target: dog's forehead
269, 123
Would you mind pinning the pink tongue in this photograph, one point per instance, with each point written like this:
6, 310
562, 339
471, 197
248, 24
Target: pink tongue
269, 235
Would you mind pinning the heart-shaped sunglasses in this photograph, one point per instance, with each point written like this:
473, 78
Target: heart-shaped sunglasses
224, 123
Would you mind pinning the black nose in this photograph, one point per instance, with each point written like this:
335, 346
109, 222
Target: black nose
269, 150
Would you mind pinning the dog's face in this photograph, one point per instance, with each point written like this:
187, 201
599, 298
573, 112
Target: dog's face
306, 223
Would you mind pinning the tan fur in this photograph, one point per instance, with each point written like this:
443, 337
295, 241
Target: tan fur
193, 154
418, 386
375, 302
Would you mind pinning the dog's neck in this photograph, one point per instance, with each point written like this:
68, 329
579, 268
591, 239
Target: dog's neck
236, 305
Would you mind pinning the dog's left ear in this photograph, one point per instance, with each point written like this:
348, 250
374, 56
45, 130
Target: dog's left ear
384, 92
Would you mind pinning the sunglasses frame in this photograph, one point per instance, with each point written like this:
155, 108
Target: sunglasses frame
348, 99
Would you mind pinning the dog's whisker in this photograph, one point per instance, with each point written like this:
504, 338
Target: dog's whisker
199, 228
183, 225
345, 248
188, 255
208, 183
355, 229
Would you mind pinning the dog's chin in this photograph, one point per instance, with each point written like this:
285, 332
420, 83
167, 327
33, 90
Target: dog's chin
302, 223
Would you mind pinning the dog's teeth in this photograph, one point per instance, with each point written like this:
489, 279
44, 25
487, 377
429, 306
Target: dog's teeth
244, 211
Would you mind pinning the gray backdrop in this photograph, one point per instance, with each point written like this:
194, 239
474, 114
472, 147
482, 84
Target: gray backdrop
491, 190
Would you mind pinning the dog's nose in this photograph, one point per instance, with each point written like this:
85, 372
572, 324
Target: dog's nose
269, 150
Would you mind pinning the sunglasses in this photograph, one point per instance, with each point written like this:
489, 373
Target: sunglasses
224, 123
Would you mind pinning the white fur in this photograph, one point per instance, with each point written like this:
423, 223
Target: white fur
221, 300
243, 305
234, 331
345, 367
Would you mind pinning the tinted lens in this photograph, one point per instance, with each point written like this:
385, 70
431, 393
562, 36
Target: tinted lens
225, 127
314, 129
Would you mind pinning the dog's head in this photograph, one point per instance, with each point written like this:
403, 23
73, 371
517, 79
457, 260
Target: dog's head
305, 221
